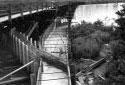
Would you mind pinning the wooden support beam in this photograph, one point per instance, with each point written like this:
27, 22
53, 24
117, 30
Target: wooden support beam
17, 79
33, 28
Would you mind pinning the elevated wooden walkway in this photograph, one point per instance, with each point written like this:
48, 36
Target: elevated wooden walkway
29, 54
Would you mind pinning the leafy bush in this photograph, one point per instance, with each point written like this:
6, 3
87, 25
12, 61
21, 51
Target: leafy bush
84, 47
101, 37
116, 68
87, 39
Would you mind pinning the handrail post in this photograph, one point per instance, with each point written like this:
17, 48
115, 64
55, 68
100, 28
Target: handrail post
39, 44
31, 49
23, 52
27, 54
16, 46
19, 49
32, 79
35, 44
13, 36
40, 70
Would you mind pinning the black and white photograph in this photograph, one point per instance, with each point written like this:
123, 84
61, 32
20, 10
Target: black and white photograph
62, 42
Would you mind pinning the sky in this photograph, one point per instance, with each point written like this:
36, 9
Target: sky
92, 13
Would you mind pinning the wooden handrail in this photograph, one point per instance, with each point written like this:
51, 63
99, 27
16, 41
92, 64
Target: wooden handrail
13, 72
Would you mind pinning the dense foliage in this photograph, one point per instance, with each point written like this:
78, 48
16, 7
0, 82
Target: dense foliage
88, 41
116, 68
121, 23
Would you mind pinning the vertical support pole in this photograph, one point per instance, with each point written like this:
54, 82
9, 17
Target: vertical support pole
21, 59
31, 49
35, 69
23, 53
11, 36
35, 44
46, 5
27, 56
31, 41
42, 5
37, 6
69, 42
30, 8
40, 70
51, 4
40, 43
40, 47
9, 12
19, 50
21, 9
36, 64
21, 44
23, 49
32, 79
16, 46
41, 65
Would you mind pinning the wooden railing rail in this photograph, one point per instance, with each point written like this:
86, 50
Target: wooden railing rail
13, 72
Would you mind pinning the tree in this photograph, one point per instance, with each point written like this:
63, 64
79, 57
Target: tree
121, 23
98, 23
